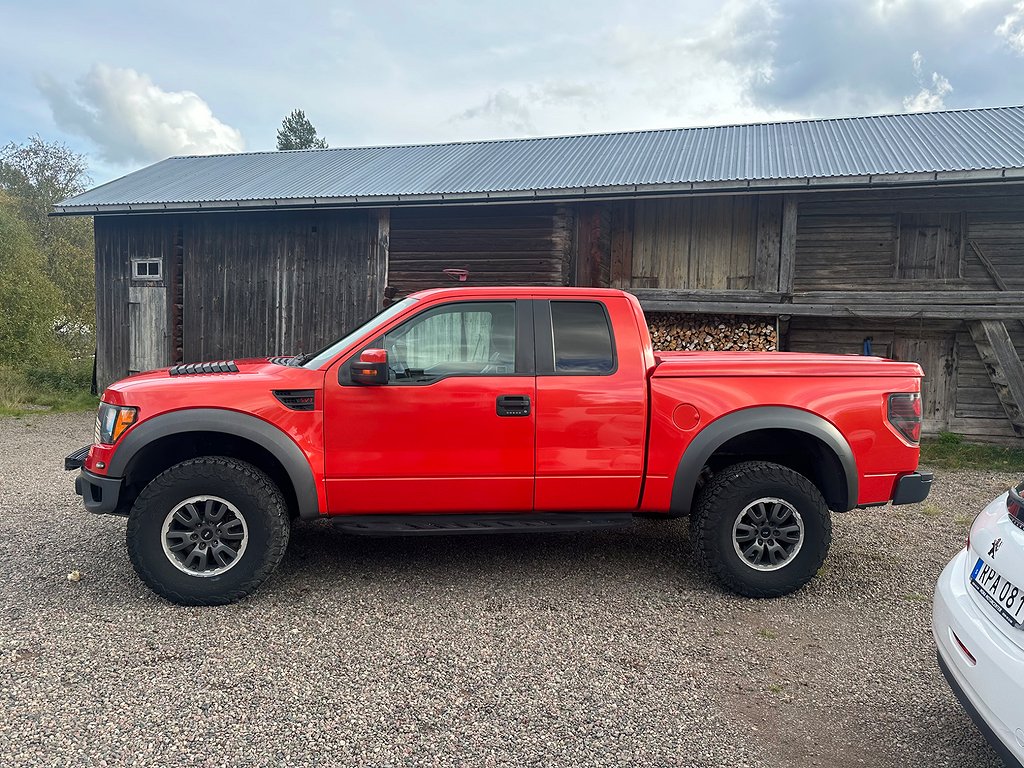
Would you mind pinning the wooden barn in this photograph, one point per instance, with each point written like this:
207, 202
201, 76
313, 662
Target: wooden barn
899, 236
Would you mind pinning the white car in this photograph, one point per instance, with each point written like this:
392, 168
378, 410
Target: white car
978, 623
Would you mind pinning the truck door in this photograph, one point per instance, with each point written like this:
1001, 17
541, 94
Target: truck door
453, 429
591, 405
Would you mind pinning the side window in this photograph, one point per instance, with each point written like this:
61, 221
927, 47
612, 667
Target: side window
146, 269
582, 338
464, 339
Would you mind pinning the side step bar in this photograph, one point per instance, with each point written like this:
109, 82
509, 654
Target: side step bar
444, 525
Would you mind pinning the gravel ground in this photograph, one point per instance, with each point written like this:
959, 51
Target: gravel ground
586, 649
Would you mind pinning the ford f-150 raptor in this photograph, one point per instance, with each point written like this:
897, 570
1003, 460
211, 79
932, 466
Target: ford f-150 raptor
475, 410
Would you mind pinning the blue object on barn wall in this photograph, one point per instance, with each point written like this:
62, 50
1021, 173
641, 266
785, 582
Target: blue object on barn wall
867, 345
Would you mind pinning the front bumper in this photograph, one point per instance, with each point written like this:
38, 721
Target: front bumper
992, 688
912, 488
99, 494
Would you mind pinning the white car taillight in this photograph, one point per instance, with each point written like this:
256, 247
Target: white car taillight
1015, 506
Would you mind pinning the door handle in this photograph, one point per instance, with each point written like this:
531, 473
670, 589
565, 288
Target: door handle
513, 405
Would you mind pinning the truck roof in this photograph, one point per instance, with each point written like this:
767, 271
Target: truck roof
520, 291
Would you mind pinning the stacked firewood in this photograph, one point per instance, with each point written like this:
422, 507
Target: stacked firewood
676, 331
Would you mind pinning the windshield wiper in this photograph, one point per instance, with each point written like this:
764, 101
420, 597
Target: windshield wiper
302, 359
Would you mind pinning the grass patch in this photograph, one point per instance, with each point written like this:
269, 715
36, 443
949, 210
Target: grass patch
949, 451
61, 388
930, 510
916, 597
768, 634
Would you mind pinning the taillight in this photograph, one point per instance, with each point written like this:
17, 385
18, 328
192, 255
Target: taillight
1015, 506
905, 414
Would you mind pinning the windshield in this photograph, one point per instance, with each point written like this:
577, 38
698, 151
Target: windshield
380, 318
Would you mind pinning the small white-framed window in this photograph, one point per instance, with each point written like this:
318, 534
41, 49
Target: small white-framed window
147, 269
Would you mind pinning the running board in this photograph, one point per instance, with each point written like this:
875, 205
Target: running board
445, 525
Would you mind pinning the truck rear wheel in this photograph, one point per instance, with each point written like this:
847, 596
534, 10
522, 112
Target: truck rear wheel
207, 531
761, 529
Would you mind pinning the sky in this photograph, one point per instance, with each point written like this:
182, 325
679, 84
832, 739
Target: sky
130, 83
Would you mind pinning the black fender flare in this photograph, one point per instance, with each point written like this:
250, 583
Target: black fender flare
737, 423
242, 425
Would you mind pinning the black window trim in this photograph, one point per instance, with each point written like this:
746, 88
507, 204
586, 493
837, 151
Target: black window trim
545, 338
524, 345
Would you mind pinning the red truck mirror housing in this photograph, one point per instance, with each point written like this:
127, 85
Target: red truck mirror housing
370, 368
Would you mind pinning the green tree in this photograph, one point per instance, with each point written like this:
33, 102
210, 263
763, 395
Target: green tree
296, 132
29, 300
36, 175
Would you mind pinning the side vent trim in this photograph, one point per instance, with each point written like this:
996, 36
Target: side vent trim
297, 399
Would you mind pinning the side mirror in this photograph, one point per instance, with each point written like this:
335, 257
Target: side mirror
370, 368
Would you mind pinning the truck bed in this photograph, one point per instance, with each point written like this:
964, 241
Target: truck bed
802, 364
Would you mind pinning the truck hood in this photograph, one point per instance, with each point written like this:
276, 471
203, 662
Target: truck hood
803, 364
213, 378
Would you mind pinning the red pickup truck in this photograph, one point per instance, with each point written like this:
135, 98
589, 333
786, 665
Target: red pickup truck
476, 410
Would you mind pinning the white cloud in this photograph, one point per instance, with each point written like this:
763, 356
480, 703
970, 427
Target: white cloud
501, 111
932, 95
1011, 29
701, 75
630, 75
131, 119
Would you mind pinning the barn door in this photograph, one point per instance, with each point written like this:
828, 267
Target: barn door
147, 316
935, 354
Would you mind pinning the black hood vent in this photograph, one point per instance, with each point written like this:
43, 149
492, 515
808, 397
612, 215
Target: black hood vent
297, 399
280, 360
193, 369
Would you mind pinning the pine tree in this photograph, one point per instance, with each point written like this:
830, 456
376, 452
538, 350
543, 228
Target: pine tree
296, 132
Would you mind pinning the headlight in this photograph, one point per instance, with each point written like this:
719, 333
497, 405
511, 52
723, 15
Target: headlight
112, 421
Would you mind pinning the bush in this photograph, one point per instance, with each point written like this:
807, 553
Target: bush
62, 386
14, 390
61, 376
30, 302
950, 438
952, 451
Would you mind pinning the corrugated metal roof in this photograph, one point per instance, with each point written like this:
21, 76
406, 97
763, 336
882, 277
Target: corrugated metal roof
948, 145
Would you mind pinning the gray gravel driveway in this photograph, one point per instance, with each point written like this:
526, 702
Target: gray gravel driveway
584, 649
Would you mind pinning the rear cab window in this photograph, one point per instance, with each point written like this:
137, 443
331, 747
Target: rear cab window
582, 338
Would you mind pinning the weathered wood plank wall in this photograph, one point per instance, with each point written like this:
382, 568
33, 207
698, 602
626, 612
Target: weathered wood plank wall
118, 240
286, 282
900, 240
977, 412
731, 242
528, 244
1000, 236
696, 243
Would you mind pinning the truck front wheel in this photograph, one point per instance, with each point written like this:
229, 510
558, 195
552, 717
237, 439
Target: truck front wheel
761, 529
207, 531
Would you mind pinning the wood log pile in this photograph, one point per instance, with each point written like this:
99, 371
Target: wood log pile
672, 331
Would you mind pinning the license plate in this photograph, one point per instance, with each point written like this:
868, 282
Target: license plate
1005, 597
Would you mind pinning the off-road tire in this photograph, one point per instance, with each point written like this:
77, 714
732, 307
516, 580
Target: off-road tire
241, 484
720, 503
